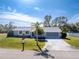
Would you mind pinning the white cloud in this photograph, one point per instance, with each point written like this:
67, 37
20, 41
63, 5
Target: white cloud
37, 8
10, 9
18, 16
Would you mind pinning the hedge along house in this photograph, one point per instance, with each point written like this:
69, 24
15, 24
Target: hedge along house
52, 32
19, 31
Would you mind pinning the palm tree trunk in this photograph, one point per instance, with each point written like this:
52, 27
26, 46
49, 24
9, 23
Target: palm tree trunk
37, 41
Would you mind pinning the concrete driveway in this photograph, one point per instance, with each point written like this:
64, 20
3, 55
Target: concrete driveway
58, 44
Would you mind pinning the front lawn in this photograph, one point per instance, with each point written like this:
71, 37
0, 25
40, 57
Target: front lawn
16, 43
3, 36
74, 41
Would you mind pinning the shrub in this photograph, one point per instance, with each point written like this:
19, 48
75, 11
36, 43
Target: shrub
40, 31
10, 34
63, 35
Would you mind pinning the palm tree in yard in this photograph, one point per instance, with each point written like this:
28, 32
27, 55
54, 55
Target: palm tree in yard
36, 32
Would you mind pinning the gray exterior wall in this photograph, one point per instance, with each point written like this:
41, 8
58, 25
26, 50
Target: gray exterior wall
19, 31
17, 34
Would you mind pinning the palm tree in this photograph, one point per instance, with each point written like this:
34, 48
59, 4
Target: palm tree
47, 20
36, 32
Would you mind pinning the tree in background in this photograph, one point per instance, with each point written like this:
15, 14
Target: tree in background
59, 21
1, 28
70, 27
73, 28
10, 26
77, 26
6, 27
47, 20
62, 23
9, 31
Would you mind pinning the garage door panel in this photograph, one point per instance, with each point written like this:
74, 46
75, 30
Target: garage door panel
53, 35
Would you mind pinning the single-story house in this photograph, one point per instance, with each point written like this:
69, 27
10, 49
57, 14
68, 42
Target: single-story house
52, 32
19, 31
49, 32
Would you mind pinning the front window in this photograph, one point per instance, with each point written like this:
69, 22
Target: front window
20, 32
23, 32
27, 32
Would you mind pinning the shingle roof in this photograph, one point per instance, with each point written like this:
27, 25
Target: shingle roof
46, 29
52, 29
22, 29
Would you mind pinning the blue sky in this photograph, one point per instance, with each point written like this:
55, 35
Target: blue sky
26, 11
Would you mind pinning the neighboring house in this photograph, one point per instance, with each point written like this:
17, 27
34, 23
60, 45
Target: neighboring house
73, 34
52, 32
49, 32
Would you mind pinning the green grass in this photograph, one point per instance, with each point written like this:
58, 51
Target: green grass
16, 43
3, 36
74, 41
